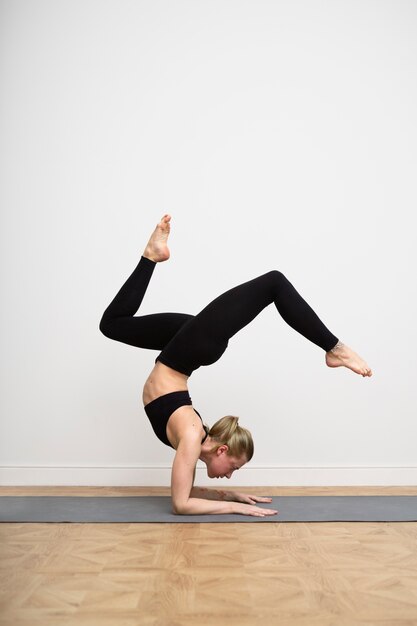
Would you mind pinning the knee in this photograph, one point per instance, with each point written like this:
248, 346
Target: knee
276, 276
277, 281
105, 327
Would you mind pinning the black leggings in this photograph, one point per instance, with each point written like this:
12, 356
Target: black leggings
186, 341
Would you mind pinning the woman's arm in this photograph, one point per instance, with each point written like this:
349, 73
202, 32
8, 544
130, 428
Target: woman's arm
211, 494
229, 495
182, 478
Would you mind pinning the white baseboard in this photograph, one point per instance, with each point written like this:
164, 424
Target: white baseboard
158, 476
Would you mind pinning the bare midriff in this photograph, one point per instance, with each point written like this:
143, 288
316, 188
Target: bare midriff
162, 380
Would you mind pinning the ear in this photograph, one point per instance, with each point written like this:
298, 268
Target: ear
222, 449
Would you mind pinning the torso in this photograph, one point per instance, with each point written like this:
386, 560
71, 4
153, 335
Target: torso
163, 380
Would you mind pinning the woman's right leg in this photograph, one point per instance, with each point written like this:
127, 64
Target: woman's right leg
147, 331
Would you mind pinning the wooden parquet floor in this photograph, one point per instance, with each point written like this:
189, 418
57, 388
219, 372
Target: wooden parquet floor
298, 574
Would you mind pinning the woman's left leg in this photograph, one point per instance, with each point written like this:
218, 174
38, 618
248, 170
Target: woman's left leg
236, 308
204, 339
239, 306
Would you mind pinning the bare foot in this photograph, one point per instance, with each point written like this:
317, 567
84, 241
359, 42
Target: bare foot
343, 356
157, 248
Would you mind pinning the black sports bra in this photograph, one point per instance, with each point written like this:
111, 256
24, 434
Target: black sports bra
160, 410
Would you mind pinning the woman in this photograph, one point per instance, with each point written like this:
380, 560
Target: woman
187, 342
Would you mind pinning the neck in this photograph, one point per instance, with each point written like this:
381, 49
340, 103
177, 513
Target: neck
206, 449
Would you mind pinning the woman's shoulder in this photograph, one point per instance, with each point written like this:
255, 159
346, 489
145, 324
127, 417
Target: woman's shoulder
185, 425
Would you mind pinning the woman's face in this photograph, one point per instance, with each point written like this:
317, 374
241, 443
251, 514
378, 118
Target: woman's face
222, 465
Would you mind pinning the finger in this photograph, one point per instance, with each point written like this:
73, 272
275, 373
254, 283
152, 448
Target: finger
263, 512
255, 513
264, 498
258, 511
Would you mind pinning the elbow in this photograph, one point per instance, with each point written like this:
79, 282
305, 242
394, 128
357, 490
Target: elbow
179, 508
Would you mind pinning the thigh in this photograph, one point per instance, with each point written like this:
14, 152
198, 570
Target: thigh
237, 307
204, 339
151, 332
192, 347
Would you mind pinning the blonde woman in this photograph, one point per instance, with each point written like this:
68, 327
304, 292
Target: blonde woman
187, 342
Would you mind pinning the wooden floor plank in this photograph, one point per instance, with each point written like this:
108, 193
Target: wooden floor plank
301, 574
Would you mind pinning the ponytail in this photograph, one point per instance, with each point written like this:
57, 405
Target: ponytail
226, 431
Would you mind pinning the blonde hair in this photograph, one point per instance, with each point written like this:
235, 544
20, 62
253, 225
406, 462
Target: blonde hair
226, 431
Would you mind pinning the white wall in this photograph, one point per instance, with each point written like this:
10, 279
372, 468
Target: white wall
279, 135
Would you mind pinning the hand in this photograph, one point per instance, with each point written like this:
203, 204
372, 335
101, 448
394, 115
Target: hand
248, 499
250, 509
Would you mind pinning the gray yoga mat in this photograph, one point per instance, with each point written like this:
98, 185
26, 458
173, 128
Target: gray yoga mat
158, 509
